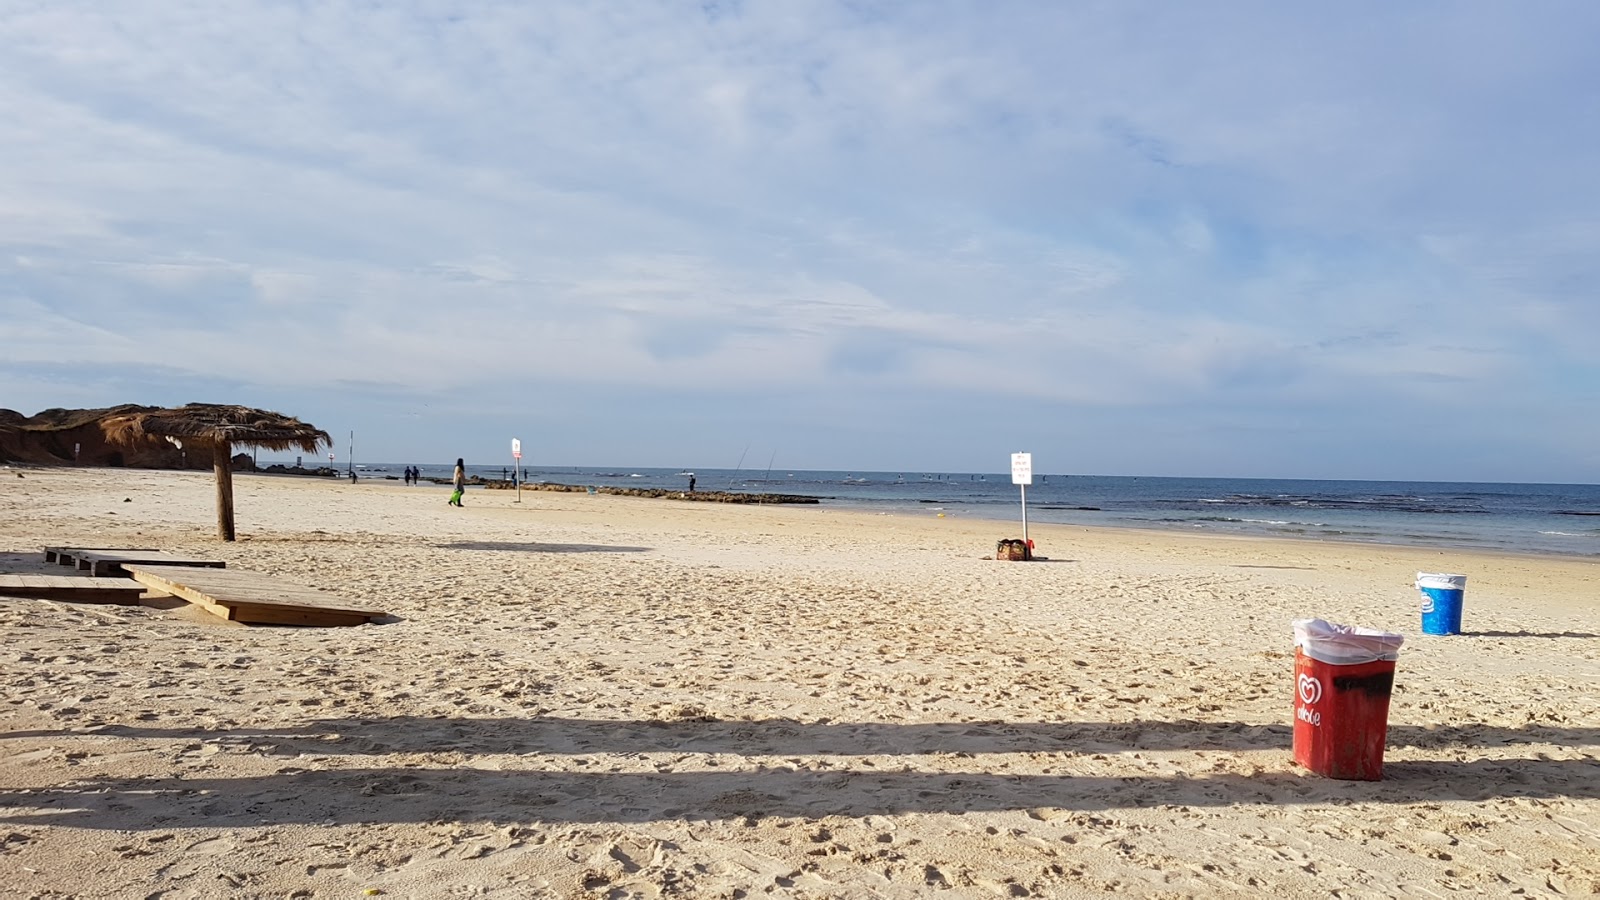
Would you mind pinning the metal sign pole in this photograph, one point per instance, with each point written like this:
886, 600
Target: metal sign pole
1025, 515
516, 461
1022, 476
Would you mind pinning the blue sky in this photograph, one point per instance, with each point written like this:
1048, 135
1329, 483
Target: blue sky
1133, 238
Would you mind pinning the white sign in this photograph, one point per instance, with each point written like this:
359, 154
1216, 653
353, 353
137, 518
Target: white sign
1022, 468
516, 448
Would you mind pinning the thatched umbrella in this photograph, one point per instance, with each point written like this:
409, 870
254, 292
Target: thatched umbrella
220, 428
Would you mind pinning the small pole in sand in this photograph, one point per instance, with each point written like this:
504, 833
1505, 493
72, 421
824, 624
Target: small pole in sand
1024, 489
1022, 476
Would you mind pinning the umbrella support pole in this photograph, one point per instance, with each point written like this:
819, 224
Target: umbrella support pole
222, 462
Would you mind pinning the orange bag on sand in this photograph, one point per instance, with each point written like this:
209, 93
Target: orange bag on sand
1013, 550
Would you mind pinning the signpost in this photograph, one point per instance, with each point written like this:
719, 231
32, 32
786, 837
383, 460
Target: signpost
516, 454
1022, 476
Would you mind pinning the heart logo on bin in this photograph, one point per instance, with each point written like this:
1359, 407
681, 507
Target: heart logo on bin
1310, 690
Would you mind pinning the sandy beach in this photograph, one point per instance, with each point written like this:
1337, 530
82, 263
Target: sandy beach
617, 697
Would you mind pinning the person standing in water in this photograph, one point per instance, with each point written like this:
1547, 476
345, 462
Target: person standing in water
459, 480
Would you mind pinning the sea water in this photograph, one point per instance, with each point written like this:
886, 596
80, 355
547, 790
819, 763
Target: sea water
1523, 518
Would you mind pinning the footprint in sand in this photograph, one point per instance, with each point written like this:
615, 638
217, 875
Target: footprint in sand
211, 847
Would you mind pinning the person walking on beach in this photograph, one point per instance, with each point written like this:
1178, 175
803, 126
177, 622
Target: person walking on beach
691, 484
459, 480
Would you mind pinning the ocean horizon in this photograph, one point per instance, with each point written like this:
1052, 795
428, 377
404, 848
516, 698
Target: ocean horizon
1552, 519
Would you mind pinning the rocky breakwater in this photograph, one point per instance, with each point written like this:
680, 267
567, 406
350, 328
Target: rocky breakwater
280, 469
701, 496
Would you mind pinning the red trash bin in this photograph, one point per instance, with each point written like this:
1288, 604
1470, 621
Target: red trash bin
1343, 677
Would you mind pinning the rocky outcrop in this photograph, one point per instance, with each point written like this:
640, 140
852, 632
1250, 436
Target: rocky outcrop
280, 469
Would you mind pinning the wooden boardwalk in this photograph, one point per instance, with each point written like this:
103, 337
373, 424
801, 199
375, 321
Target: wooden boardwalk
64, 555
75, 588
252, 598
111, 560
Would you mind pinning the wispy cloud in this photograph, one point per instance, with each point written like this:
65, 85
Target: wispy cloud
1139, 220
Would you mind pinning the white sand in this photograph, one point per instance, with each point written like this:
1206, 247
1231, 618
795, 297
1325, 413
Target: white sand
599, 696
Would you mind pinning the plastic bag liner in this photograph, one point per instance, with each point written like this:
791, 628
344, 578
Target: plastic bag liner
1441, 581
1345, 645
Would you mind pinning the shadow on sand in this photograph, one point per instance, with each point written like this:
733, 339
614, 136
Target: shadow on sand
465, 794
531, 547
1528, 634
32, 564
835, 780
781, 737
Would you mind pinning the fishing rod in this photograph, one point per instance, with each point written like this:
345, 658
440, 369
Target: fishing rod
739, 466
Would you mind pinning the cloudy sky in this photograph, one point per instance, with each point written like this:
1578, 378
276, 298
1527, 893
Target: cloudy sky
1352, 241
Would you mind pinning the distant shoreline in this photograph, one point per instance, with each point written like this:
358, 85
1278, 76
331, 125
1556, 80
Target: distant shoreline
1530, 521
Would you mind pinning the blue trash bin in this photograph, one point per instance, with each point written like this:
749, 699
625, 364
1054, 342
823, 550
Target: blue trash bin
1441, 602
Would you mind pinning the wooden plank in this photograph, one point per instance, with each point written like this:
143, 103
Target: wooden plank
251, 597
109, 561
68, 556
72, 588
112, 561
268, 615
